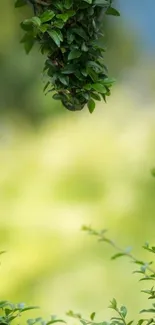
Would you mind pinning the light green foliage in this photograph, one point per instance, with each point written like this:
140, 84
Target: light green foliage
11, 312
68, 33
144, 268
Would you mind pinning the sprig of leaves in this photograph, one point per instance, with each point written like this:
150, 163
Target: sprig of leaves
117, 320
143, 266
68, 33
9, 312
145, 269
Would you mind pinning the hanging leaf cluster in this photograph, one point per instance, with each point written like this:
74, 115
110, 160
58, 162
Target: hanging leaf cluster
69, 34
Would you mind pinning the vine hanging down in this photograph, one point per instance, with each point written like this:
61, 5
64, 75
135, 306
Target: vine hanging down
69, 34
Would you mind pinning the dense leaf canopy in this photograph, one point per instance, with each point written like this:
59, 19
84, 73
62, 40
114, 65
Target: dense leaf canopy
69, 33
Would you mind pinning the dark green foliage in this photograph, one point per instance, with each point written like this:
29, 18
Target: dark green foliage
69, 33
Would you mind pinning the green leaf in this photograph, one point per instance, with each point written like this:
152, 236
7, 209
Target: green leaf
74, 54
64, 80
84, 47
7, 311
92, 316
55, 321
36, 21
88, 87
130, 322
123, 311
28, 41
57, 96
91, 105
64, 17
96, 96
80, 31
101, 3
46, 86
117, 255
113, 304
68, 4
32, 21
4, 303
151, 291
112, 11
148, 278
93, 75
99, 87
141, 321
151, 310
29, 308
44, 27
117, 319
58, 23
88, 1
95, 66
83, 322
34, 321
56, 36
47, 16
59, 5
69, 69
27, 27
70, 313
109, 81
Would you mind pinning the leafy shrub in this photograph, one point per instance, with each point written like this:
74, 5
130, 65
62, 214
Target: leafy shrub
10, 312
69, 33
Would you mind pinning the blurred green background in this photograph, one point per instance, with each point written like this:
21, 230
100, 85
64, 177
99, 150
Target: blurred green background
60, 170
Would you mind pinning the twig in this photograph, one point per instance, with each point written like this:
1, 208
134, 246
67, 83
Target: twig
101, 237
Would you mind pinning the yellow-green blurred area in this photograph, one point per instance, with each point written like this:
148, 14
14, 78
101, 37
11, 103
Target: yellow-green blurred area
60, 170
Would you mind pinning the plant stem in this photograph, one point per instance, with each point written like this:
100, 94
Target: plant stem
101, 237
132, 257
